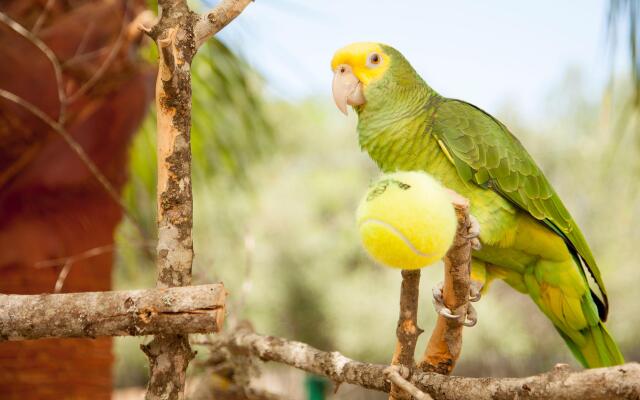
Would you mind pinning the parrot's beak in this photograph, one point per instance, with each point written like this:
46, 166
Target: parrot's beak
347, 89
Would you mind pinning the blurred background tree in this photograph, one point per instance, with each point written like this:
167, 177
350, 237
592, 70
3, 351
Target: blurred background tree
51, 206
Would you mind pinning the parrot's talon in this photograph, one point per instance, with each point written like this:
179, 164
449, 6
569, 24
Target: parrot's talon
438, 303
474, 227
445, 312
473, 233
437, 293
474, 291
471, 319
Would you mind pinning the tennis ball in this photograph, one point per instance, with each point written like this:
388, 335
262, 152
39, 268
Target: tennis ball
406, 220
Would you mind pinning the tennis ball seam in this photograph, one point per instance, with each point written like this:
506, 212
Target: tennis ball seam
399, 234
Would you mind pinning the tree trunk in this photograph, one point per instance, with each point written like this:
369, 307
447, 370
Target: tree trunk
51, 206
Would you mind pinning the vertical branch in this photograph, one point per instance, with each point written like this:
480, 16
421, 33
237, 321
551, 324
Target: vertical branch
169, 355
445, 344
175, 202
407, 330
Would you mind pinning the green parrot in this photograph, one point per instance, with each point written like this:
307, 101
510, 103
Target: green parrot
528, 237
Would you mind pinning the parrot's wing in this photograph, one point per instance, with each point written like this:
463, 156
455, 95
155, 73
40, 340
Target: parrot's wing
486, 153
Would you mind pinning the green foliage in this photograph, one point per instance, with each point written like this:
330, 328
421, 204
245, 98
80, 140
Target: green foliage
230, 130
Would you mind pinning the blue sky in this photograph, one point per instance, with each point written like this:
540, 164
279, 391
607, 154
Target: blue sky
488, 52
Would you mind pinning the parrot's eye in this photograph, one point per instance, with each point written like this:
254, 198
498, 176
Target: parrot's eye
374, 60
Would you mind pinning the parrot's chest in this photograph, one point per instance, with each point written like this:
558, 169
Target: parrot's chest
495, 214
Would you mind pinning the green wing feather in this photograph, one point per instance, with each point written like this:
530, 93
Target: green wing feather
486, 153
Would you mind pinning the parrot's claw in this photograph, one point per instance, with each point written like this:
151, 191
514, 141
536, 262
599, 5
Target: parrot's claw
437, 294
473, 233
471, 317
438, 303
474, 291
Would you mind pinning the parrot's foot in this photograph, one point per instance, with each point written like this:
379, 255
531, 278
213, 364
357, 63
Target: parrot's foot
471, 316
473, 233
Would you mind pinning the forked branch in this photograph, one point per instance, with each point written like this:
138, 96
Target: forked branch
216, 19
178, 34
620, 382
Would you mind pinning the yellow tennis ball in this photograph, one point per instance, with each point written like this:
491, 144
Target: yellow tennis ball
406, 220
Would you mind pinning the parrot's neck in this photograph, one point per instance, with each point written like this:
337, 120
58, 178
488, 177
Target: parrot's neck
392, 126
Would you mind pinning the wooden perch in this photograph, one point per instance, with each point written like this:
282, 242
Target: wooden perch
619, 382
178, 34
407, 330
445, 344
195, 309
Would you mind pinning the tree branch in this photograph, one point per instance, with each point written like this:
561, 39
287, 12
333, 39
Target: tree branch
42, 17
58, 125
55, 64
619, 382
76, 148
407, 330
111, 56
445, 344
178, 34
169, 355
216, 19
305, 357
195, 309
67, 262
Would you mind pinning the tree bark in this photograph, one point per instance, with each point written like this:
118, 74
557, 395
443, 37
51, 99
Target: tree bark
619, 382
195, 309
407, 330
445, 343
174, 34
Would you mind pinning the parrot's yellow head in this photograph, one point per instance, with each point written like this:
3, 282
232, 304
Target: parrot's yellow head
360, 66
368, 61
355, 66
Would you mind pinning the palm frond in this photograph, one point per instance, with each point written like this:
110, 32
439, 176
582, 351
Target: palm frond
230, 130
624, 15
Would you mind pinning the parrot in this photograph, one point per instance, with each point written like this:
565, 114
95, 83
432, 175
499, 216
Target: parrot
527, 236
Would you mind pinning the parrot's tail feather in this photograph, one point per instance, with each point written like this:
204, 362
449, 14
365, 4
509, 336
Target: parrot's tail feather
598, 348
